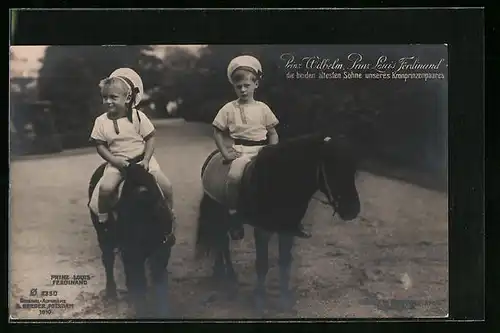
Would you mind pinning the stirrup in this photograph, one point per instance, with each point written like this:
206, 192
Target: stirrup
237, 233
103, 217
302, 234
173, 216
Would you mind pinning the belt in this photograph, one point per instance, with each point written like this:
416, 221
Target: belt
243, 142
136, 159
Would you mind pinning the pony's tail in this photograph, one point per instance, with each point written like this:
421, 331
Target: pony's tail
205, 229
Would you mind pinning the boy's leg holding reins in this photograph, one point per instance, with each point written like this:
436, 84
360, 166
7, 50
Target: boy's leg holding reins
233, 180
107, 189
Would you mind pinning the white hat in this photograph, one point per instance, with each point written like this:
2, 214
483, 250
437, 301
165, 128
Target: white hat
244, 61
133, 80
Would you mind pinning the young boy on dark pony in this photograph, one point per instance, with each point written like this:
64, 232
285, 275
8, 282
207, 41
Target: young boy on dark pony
275, 184
250, 123
124, 135
130, 198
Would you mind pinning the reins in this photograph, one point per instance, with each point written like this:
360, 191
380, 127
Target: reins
153, 186
320, 171
134, 92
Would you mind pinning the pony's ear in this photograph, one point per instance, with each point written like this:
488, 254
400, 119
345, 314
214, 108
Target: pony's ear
327, 146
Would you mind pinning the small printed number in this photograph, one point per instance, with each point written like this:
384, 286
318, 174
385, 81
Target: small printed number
49, 293
45, 312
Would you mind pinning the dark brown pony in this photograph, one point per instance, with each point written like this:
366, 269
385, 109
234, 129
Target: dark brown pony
142, 231
275, 192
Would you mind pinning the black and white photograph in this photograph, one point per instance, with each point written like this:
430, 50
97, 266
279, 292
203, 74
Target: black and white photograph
229, 182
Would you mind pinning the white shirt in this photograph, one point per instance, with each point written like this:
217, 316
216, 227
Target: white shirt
129, 143
246, 121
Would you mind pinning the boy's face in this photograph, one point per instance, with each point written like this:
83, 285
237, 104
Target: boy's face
245, 85
115, 97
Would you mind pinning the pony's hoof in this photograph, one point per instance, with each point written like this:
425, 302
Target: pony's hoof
287, 301
140, 308
232, 286
231, 277
237, 233
232, 293
302, 234
219, 279
260, 300
162, 310
169, 240
110, 294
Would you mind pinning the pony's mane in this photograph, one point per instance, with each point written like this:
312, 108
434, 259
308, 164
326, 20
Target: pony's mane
289, 146
276, 159
137, 176
289, 164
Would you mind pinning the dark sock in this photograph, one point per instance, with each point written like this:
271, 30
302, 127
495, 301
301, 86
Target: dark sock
232, 195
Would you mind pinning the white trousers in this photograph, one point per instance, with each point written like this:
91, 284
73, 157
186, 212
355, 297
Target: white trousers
238, 164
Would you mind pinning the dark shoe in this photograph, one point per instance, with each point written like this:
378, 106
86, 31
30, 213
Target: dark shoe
173, 216
169, 240
301, 233
237, 233
236, 228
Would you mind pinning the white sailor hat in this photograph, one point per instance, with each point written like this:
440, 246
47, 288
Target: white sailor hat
246, 62
133, 80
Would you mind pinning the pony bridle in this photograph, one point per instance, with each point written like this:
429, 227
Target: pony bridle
321, 176
133, 95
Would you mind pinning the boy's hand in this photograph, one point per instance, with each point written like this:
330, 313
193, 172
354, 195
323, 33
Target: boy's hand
231, 155
144, 164
120, 163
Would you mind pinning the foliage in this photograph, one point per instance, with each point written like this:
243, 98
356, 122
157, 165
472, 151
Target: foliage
402, 123
69, 79
399, 122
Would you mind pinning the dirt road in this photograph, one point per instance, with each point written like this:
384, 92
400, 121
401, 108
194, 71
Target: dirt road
391, 261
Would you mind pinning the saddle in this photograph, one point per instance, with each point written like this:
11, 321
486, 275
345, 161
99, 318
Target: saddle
214, 177
95, 183
94, 198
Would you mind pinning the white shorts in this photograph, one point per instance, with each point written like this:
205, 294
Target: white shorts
238, 164
153, 167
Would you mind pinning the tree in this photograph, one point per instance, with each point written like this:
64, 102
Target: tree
399, 121
173, 78
70, 76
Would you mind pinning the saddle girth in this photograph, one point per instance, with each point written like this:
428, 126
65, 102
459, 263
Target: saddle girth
246, 189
